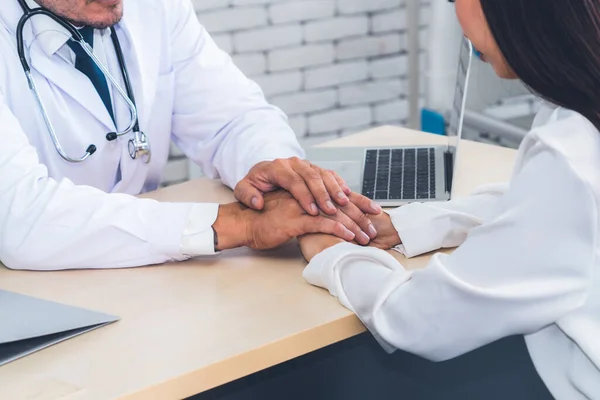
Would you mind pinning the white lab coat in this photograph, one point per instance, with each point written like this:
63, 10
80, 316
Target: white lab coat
527, 264
58, 215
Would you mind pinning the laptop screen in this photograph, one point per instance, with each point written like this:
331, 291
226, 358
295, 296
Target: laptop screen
457, 111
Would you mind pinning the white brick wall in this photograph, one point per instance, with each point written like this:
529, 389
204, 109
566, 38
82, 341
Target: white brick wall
333, 66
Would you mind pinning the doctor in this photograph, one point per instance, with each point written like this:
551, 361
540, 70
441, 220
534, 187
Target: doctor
78, 139
527, 266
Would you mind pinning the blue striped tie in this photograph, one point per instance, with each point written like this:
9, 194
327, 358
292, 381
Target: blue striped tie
85, 64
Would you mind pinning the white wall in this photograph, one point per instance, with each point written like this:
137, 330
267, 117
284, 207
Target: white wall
333, 66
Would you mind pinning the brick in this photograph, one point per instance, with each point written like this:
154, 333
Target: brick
339, 119
389, 67
336, 74
279, 83
423, 38
268, 38
224, 42
232, 19
352, 131
203, 5
372, 92
338, 28
391, 112
305, 102
251, 64
175, 151
195, 171
303, 10
370, 46
362, 6
301, 57
175, 171
389, 21
249, 2
425, 16
299, 125
314, 140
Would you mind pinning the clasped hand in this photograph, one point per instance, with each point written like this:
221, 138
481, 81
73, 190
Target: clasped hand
284, 199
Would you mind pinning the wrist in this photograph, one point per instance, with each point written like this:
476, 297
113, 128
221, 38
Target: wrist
230, 227
313, 244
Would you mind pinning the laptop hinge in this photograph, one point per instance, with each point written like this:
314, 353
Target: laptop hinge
448, 169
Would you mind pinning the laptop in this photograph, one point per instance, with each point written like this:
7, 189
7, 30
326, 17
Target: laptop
29, 324
393, 176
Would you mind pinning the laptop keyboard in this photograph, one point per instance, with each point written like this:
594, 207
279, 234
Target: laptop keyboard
399, 174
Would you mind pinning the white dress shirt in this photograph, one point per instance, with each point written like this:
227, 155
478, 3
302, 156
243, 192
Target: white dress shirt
60, 215
526, 264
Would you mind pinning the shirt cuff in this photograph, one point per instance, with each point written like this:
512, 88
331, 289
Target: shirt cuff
419, 228
198, 237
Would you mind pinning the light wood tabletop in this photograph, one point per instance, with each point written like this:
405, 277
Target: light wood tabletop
189, 327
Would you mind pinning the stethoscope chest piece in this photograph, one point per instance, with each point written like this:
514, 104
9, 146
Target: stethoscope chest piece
139, 147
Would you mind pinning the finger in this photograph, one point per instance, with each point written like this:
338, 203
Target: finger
365, 204
248, 195
314, 181
359, 235
325, 225
284, 176
342, 183
361, 219
334, 189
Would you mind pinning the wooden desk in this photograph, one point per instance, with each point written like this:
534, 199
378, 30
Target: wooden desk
190, 327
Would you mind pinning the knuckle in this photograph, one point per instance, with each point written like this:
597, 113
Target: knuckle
313, 176
297, 182
280, 162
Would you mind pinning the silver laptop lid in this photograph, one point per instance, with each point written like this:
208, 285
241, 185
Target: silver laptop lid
457, 112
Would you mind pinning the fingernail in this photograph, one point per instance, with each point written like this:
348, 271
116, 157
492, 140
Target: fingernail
342, 195
372, 231
313, 208
375, 207
254, 202
346, 188
330, 205
365, 237
349, 234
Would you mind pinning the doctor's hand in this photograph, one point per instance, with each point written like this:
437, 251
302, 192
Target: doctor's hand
315, 188
281, 220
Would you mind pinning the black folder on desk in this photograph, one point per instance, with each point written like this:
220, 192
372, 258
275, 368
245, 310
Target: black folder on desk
28, 324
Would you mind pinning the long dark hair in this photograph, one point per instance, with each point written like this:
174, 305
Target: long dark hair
554, 48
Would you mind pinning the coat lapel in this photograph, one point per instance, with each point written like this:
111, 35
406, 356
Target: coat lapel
139, 42
71, 82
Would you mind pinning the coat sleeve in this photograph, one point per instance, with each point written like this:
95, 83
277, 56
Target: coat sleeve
47, 224
221, 119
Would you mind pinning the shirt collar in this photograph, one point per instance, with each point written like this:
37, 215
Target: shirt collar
51, 36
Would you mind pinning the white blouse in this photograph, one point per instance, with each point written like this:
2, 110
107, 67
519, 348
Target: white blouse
526, 264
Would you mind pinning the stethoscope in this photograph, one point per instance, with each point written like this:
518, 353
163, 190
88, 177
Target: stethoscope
138, 146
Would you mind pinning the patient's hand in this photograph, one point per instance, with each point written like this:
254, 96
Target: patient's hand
387, 236
313, 244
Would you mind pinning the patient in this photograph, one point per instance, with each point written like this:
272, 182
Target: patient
527, 262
